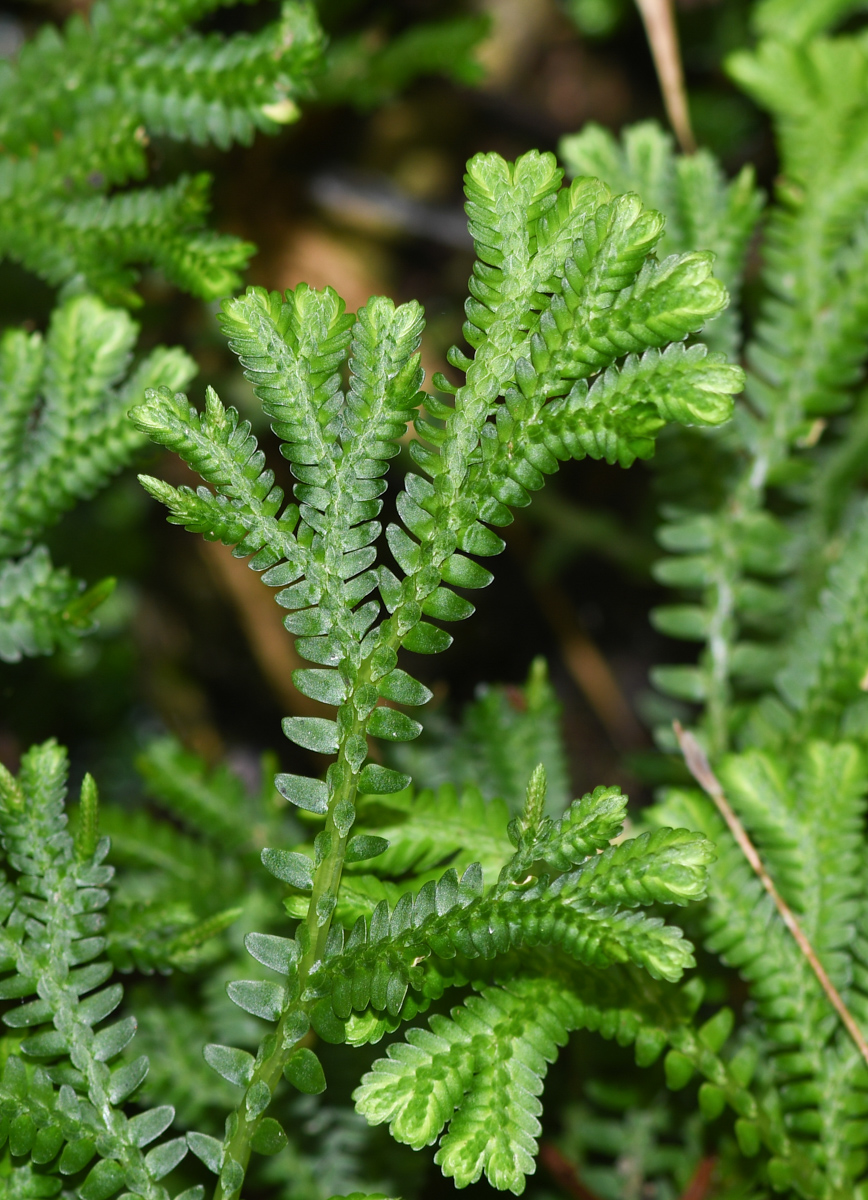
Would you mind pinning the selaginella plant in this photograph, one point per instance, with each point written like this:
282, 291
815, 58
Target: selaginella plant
576, 348
380, 904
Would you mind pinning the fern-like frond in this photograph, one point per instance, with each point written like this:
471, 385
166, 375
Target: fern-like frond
42, 608
703, 211
482, 1071
806, 819
822, 676
214, 803
164, 226
432, 828
502, 736
64, 1081
103, 86
65, 405
564, 288
355, 73
63, 433
800, 22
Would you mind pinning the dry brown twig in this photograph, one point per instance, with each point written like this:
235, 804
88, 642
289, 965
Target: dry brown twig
700, 769
700, 1182
658, 18
564, 1172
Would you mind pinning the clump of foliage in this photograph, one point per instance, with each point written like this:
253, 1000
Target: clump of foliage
485, 911
78, 110
770, 557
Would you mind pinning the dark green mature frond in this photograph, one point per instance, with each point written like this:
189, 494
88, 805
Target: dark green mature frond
63, 433
354, 73
60, 1091
76, 112
381, 959
807, 820
64, 414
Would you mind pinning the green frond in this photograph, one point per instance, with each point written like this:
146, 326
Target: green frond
67, 432
503, 733
163, 226
617, 419
822, 677
292, 350
589, 826
172, 1035
360, 894
807, 820
481, 1071
247, 511
63, 433
816, 95
213, 803
77, 108
164, 937
42, 608
799, 22
564, 289
141, 842
208, 88
703, 211
59, 1091
382, 959
354, 73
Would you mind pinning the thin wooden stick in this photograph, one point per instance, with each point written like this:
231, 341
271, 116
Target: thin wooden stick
564, 1172
700, 1182
699, 768
659, 21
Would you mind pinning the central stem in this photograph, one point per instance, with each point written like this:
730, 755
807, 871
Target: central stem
241, 1126
471, 409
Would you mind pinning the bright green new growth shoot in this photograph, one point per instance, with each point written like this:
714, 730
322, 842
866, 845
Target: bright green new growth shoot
576, 338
